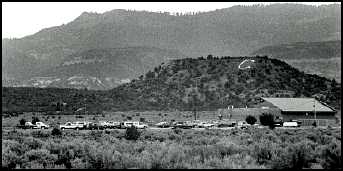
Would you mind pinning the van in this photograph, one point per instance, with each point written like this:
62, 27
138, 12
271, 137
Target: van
290, 124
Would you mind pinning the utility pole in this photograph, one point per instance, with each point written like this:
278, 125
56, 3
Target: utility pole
85, 107
314, 108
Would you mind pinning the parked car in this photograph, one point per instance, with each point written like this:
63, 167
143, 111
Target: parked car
163, 124
106, 124
70, 125
140, 125
95, 126
27, 125
41, 125
81, 124
205, 125
136, 124
228, 124
112, 124
290, 124
181, 124
242, 124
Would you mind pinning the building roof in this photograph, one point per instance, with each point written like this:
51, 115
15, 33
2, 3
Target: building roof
298, 104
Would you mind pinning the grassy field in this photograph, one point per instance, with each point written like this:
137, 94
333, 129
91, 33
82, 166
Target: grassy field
209, 149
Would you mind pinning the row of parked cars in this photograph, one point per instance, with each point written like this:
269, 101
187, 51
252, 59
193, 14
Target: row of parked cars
178, 124
103, 125
200, 124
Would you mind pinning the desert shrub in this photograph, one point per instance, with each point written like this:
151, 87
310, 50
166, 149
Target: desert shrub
42, 156
132, 133
227, 149
239, 161
65, 157
332, 156
10, 159
13, 146
177, 131
295, 156
78, 163
263, 152
33, 143
96, 134
142, 119
79, 116
56, 132
250, 120
22, 121
40, 134
267, 119
129, 118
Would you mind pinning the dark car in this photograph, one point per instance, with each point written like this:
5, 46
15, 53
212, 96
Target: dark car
182, 125
95, 126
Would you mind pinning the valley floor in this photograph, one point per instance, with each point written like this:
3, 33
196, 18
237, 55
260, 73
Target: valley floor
210, 149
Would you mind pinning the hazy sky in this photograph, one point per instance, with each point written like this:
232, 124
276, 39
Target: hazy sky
25, 18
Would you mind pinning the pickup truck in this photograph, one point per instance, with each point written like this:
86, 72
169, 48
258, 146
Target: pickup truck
69, 125
136, 124
40, 125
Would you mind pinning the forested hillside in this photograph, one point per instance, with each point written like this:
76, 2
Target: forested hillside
203, 83
321, 58
238, 30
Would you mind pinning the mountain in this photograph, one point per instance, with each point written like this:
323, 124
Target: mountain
321, 58
208, 84
101, 69
238, 30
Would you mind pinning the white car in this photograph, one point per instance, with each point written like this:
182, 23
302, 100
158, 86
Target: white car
136, 124
70, 125
162, 124
29, 125
140, 125
242, 124
290, 124
103, 123
204, 125
112, 124
40, 125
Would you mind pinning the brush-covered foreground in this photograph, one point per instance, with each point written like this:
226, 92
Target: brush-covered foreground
234, 149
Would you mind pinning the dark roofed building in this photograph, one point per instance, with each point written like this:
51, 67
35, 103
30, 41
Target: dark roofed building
303, 109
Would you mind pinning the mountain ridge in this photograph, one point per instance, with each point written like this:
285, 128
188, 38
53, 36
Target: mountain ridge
237, 31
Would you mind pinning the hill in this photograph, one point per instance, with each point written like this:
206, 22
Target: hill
237, 30
321, 58
207, 84
101, 69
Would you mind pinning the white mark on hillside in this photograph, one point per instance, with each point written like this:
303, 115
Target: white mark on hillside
247, 67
